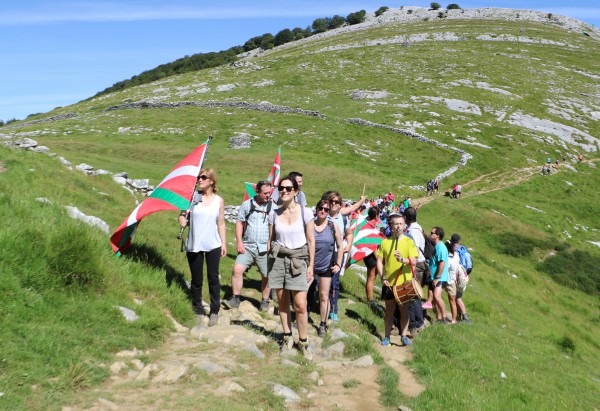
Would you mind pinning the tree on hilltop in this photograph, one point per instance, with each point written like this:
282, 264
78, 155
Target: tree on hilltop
335, 22
357, 17
319, 25
381, 10
435, 6
453, 6
300, 33
284, 36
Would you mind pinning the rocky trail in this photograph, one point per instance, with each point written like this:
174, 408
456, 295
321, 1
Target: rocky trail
200, 360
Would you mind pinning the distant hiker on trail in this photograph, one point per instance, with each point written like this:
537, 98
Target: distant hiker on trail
580, 158
549, 160
300, 197
436, 185
430, 187
291, 261
439, 274
206, 241
458, 191
328, 262
252, 236
395, 256
340, 216
466, 262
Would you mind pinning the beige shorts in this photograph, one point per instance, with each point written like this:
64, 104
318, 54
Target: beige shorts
280, 275
451, 288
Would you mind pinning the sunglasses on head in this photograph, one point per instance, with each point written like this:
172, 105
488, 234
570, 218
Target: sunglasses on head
326, 209
286, 188
203, 177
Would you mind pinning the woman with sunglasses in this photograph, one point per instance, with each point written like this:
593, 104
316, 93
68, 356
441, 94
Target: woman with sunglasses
290, 263
340, 216
206, 241
327, 238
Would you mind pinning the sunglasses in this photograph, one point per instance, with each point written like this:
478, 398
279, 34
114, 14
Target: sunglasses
433, 233
324, 209
286, 188
203, 177
336, 202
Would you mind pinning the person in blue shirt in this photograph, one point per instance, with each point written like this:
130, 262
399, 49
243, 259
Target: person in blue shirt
439, 272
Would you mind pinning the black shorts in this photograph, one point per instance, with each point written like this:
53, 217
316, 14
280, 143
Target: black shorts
387, 293
370, 261
325, 274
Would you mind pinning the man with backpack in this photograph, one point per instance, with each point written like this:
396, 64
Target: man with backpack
466, 261
252, 236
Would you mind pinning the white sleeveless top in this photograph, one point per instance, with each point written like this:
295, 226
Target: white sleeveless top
291, 236
204, 230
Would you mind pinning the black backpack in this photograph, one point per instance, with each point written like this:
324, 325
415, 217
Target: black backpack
429, 250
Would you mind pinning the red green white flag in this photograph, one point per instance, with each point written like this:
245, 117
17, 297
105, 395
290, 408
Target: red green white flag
173, 193
273, 177
367, 237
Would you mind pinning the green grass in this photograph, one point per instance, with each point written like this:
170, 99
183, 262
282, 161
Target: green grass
532, 321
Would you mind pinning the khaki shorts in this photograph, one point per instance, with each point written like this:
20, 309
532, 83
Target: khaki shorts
280, 275
252, 256
451, 288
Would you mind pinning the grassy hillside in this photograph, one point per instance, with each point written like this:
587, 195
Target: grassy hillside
507, 104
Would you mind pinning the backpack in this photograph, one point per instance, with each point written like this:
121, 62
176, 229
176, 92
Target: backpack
462, 278
465, 258
429, 249
252, 210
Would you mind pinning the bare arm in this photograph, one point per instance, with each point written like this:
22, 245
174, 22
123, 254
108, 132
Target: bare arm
350, 209
380, 271
310, 240
239, 230
221, 227
340, 254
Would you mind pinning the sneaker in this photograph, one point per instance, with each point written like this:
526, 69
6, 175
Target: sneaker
305, 350
264, 305
333, 317
322, 331
466, 319
427, 306
405, 340
233, 302
213, 319
287, 343
453, 322
385, 341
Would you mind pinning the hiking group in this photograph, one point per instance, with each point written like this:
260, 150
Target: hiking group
301, 256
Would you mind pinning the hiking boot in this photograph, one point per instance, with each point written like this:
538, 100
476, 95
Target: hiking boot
385, 341
287, 343
322, 331
333, 317
465, 318
405, 340
213, 319
264, 306
233, 302
427, 306
305, 350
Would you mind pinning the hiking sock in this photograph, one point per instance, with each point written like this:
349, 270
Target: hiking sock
287, 334
303, 340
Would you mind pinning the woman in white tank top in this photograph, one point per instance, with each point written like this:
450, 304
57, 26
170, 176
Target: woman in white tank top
206, 241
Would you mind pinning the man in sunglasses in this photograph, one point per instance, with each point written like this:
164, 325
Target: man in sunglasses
252, 235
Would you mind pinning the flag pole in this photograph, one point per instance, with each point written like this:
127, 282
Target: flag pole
364, 187
186, 213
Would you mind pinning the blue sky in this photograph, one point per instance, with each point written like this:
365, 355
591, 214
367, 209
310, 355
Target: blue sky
56, 53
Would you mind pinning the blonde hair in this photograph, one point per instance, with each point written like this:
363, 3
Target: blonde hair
212, 174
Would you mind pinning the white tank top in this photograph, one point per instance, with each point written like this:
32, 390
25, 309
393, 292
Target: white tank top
291, 236
204, 230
